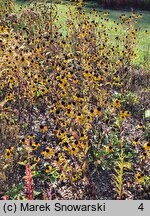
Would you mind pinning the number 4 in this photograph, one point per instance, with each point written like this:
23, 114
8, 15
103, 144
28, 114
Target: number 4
141, 207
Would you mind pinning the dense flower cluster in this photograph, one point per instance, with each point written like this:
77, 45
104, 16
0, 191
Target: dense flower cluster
62, 89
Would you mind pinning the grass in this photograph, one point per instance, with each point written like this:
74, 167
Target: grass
143, 24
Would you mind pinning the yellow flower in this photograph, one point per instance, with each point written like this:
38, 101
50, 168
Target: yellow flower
59, 160
86, 73
106, 13
10, 149
44, 128
127, 113
140, 126
91, 113
9, 96
35, 144
79, 117
63, 124
48, 152
116, 103
77, 97
74, 150
48, 169
105, 103
44, 91
69, 113
83, 137
31, 136
65, 146
8, 155
36, 159
63, 93
143, 156
61, 134
62, 177
139, 177
25, 141
136, 141
147, 146
74, 177
53, 109
146, 32
109, 149
88, 126
124, 114
97, 111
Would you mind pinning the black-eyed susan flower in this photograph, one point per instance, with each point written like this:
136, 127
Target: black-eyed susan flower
140, 16
146, 31
69, 112
147, 146
24, 141
9, 96
62, 177
139, 177
44, 91
48, 169
63, 93
77, 97
105, 103
63, 124
76, 142
36, 159
61, 134
74, 177
35, 144
73, 150
10, 149
109, 149
31, 136
83, 137
59, 159
136, 141
143, 156
140, 126
48, 152
106, 13
52, 109
79, 117
65, 146
8, 155
127, 113
116, 103
123, 115
43, 128
98, 111
86, 73
87, 126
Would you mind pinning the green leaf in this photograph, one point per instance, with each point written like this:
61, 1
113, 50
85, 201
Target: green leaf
147, 114
23, 163
36, 193
117, 179
38, 93
49, 70
35, 173
118, 186
53, 178
117, 171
